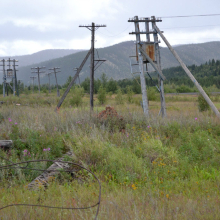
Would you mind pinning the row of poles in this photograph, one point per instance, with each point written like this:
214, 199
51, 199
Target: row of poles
10, 73
39, 70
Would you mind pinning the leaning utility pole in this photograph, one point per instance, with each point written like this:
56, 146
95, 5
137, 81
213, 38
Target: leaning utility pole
38, 71
205, 96
92, 28
55, 71
73, 80
4, 76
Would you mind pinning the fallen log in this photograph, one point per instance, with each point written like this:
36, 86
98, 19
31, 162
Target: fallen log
48, 175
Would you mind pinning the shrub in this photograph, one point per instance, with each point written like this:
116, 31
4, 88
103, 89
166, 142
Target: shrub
102, 95
202, 104
119, 97
130, 94
76, 99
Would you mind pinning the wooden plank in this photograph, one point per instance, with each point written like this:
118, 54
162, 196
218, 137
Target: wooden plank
43, 179
6, 144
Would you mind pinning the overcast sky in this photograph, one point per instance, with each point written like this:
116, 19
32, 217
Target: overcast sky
28, 26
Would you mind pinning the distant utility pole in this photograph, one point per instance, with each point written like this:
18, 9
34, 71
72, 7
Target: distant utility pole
38, 70
15, 77
33, 78
92, 28
4, 76
55, 71
75, 69
49, 82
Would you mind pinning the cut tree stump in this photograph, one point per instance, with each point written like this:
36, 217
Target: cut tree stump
6, 144
47, 176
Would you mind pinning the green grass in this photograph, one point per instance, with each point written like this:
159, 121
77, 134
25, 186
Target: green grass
154, 169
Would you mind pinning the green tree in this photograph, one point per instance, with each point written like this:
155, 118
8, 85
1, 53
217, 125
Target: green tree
77, 95
102, 95
119, 97
112, 86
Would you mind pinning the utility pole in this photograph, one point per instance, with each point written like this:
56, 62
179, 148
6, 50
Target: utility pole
141, 67
158, 60
189, 74
38, 70
49, 82
33, 78
15, 77
75, 69
92, 28
148, 53
4, 76
55, 71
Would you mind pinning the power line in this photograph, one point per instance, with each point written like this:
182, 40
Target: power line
187, 16
194, 26
115, 34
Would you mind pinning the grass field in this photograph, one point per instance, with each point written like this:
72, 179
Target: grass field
149, 168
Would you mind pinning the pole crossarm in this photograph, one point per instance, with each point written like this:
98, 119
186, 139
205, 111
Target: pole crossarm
73, 80
152, 63
205, 96
145, 20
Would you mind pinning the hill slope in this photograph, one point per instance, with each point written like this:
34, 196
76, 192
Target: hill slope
117, 64
41, 56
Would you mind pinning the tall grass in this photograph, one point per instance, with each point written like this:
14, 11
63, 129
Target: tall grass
153, 169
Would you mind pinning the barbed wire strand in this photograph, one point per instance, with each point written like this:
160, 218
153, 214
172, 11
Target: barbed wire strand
16, 166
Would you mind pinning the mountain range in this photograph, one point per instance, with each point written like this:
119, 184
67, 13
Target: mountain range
117, 60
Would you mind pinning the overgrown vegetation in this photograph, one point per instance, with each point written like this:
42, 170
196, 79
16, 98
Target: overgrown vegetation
161, 169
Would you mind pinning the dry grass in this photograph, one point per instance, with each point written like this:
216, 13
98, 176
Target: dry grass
161, 183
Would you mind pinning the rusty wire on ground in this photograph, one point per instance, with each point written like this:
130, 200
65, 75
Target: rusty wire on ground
17, 166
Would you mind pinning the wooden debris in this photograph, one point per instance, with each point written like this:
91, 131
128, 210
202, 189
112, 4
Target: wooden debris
48, 175
6, 144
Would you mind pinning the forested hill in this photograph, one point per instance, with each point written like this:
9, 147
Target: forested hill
207, 74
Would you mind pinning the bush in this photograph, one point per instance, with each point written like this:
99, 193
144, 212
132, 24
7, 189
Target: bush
77, 95
130, 94
119, 97
102, 95
151, 94
202, 104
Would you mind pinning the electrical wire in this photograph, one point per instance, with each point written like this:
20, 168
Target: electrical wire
194, 26
188, 16
115, 34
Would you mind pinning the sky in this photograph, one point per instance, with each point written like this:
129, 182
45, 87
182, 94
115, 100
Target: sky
29, 26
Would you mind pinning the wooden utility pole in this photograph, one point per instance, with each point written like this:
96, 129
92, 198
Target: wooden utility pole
38, 71
148, 52
33, 78
158, 60
73, 80
4, 76
55, 71
205, 96
49, 82
15, 77
92, 28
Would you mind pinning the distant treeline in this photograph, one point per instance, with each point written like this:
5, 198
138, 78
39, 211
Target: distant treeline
208, 75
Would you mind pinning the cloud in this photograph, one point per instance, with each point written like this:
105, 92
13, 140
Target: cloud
29, 26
